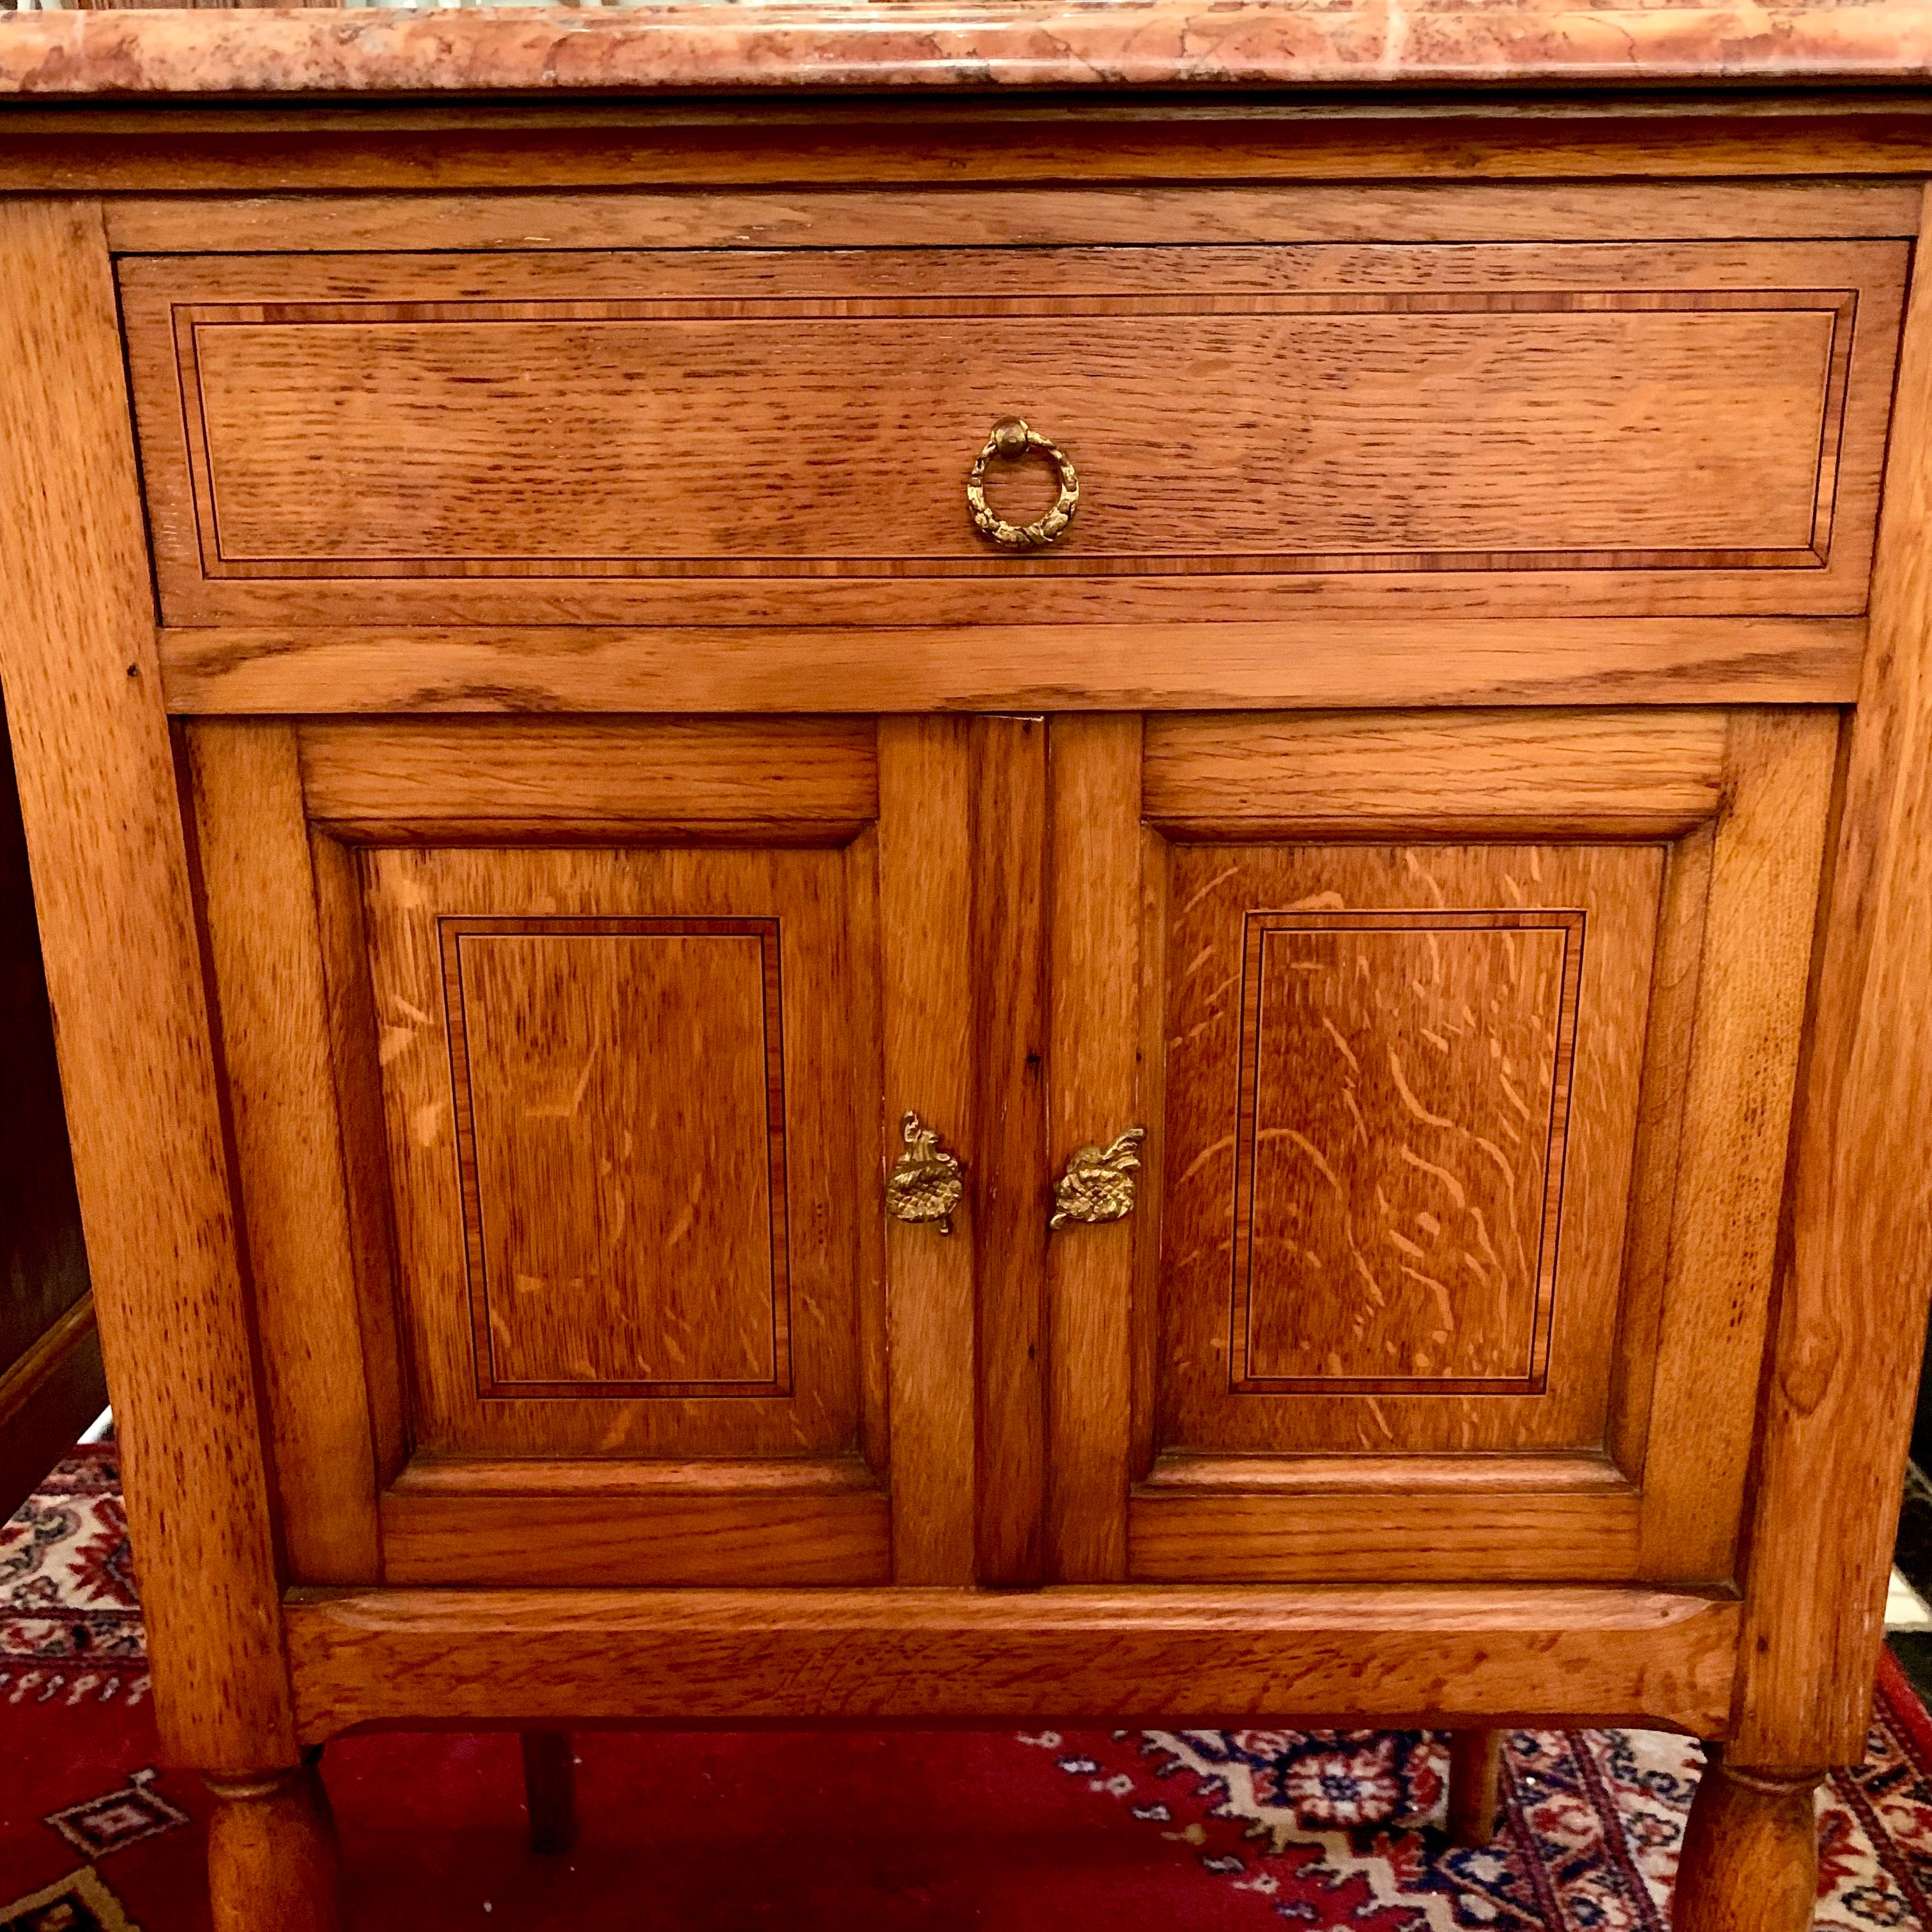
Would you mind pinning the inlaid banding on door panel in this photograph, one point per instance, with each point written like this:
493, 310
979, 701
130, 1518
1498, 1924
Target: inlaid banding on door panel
619, 1094
1403, 1113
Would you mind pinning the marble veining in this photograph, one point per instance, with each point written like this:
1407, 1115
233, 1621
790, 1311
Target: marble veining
746, 44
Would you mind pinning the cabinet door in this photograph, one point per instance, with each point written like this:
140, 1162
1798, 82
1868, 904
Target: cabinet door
1465, 1044
557, 1053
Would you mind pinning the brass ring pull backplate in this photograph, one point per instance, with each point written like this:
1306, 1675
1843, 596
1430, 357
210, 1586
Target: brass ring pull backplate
925, 1184
1011, 438
1099, 1183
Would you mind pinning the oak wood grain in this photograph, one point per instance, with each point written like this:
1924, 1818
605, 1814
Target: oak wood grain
1363, 1037
1457, 648
1262, 1534
867, 1106
1576, 1472
1854, 1277
264, 948
411, 464
439, 147
1144, 1313
554, 1278
928, 605
1750, 1861
1093, 862
98, 799
1676, 982
794, 1520
747, 779
356, 1059
1012, 1198
1709, 1025
1762, 906
721, 1535
619, 1092
369, 442
1396, 1654
447, 1476
273, 1857
1613, 773
955, 216
1445, 1127
926, 875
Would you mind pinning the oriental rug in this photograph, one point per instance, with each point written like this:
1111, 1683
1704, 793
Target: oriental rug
1032, 1831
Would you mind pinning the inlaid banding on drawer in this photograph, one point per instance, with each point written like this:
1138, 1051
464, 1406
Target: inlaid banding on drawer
1268, 414
1529, 433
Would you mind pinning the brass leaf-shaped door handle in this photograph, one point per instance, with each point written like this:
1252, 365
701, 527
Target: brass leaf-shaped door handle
1011, 439
1099, 1183
925, 1184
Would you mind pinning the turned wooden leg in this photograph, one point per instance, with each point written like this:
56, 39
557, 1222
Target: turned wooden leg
1475, 1785
273, 1864
1750, 1853
550, 1790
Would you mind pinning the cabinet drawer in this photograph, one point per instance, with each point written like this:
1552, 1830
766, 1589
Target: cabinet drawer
785, 435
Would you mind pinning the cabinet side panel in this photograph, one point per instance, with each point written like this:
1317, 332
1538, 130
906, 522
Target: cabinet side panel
123, 972
1853, 1282
1766, 856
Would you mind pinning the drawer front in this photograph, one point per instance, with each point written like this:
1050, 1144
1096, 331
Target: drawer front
778, 436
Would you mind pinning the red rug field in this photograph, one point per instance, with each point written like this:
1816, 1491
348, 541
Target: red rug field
871, 1831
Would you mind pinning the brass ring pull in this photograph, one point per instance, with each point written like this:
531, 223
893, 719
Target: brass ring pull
924, 1184
1011, 438
1099, 1183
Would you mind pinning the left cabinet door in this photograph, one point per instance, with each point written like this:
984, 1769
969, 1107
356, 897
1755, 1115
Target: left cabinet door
557, 1059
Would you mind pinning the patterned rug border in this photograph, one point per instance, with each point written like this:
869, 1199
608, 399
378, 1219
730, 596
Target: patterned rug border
1906, 1709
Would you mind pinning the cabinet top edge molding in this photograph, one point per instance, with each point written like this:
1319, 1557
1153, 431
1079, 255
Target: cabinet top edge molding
849, 44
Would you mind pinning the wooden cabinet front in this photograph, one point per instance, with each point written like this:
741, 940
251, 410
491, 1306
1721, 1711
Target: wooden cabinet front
677, 435
1465, 1045
600, 1007
569, 1059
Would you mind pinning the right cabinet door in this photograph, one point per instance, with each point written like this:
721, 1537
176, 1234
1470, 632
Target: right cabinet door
1465, 1045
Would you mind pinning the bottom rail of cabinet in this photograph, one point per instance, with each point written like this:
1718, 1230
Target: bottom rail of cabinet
1120, 1653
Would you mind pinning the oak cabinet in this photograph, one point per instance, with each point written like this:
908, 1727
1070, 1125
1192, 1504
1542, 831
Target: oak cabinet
1462, 1047
707, 1090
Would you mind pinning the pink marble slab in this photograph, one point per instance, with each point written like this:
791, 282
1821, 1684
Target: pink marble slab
743, 44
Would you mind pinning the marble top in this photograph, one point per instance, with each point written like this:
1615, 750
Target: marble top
907, 44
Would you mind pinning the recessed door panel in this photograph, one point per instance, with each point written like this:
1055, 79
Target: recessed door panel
1401, 1087
621, 1091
